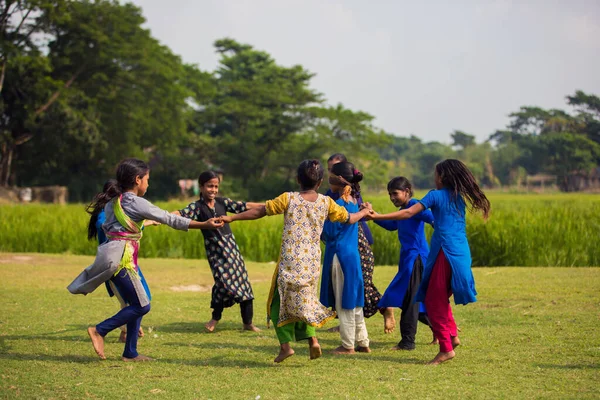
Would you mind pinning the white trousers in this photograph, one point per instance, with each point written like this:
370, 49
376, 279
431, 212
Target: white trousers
353, 329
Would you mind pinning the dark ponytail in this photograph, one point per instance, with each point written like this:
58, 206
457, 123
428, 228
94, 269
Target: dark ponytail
350, 174
109, 191
310, 173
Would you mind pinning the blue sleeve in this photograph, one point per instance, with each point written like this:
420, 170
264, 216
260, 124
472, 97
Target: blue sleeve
387, 224
331, 230
100, 232
425, 216
430, 199
100, 220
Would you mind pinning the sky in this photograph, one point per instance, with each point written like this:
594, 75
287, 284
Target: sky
422, 68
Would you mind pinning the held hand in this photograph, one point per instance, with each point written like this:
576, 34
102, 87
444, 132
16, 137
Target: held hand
369, 216
214, 223
366, 205
226, 219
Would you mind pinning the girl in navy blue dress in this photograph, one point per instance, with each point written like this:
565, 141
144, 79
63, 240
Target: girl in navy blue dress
448, 269
413, 255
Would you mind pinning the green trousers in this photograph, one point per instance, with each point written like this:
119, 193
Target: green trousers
293, 331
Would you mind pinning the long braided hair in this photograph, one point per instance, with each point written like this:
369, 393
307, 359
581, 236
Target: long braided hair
455, 176
350, 178
110, 190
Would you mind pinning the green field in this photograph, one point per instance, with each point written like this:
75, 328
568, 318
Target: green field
524, 230
532, 334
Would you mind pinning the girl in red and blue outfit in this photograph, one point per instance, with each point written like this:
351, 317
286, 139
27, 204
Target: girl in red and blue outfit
448, 269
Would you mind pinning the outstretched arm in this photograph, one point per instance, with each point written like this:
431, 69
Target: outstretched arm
213, 223
251, 214
398, 215
357, 216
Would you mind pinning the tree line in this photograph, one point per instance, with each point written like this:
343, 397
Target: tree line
84, 85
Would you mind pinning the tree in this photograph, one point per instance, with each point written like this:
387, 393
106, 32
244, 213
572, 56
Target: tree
567, 154
588, 109
462, 140
111, 91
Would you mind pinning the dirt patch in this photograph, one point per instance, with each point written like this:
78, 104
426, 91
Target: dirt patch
190, 288
4, 259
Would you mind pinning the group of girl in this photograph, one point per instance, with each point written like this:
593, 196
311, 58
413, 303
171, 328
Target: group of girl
347, 290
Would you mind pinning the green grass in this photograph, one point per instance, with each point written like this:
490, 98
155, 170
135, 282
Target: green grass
533, 334
524, 230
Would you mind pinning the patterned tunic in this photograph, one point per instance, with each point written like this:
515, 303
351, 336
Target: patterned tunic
297, 272
367, 262
224, 257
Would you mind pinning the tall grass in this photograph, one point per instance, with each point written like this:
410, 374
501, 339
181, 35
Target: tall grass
523, 230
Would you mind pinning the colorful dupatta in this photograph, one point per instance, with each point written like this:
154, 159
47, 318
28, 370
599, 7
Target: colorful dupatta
132, 236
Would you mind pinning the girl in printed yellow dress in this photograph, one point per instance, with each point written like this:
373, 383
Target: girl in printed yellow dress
293, 305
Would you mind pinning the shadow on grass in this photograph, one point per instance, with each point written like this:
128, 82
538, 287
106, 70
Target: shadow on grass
228, 345
301, 350
198, 327
221, 362
568, 366
49, 357
216, 361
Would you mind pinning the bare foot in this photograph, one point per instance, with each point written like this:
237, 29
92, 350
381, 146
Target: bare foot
140, 332
434, 341
139, 358
251, 327
455, 341
97, 342
334, 329
284, 352
123, 337
442, 357
343, 350
210, 325
363, 349
389, 322
314, 348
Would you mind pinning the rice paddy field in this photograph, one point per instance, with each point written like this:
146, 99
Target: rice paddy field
524, 230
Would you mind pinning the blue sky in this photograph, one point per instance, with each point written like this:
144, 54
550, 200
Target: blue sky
420, 67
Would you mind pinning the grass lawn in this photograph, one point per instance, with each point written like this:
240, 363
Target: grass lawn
532, 334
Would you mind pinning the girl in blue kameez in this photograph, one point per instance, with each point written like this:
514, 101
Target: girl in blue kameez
448, 269
342, 284
413, 255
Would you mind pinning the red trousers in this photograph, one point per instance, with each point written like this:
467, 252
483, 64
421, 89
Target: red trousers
437, 303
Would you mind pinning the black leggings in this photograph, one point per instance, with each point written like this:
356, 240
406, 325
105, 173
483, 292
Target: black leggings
410, 310
246, 310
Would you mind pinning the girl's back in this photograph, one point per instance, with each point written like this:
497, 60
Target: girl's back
342, 237
306, 217
449, 215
